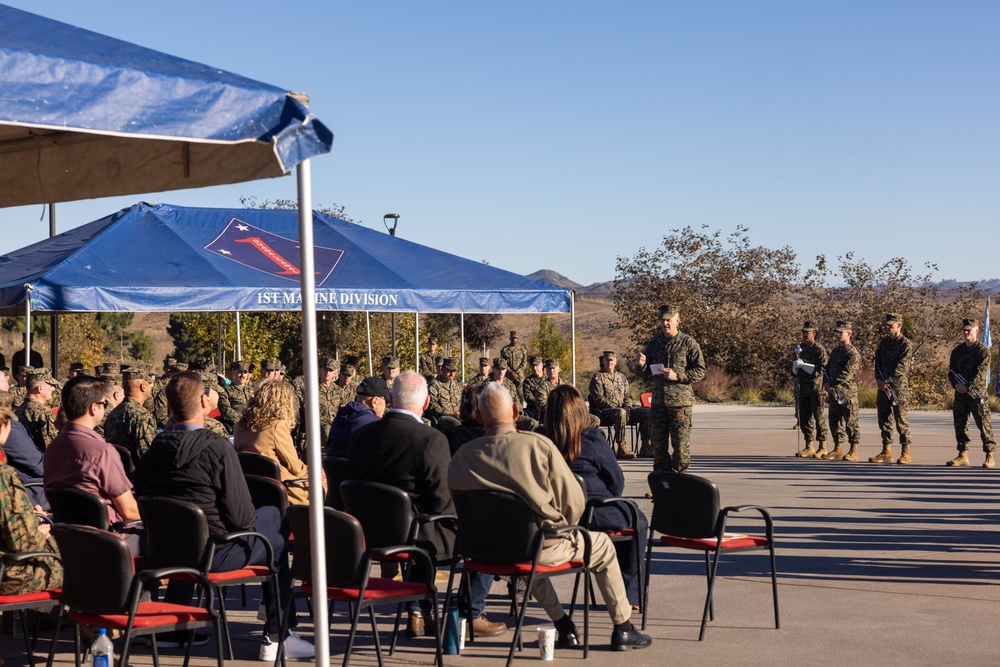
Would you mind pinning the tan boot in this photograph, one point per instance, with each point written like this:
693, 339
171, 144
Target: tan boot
884, 457
989, 462
904, 456
821, 451
835, 455
852, 454
808, 452
624, 452
960, 461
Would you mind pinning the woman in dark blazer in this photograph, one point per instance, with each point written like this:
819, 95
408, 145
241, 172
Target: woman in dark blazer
586, 450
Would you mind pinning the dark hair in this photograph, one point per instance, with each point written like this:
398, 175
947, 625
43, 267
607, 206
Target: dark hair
467, 406
184, 392
566, 420
79, 393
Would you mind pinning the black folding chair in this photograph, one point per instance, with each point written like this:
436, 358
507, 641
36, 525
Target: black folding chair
336, 472
38, 601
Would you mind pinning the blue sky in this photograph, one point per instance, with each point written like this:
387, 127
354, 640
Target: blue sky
561, 135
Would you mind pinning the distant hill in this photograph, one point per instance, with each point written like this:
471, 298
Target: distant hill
595, 291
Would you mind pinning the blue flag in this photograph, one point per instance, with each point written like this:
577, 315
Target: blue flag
988, 342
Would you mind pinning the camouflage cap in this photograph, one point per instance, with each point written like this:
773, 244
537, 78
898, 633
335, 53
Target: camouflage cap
535, 360
373, 386
24, 370
76, 366
169, 361
513, 334
552, 363
432, 340
111, 367
484, 361
178, 367
438, 359
239, 365
500, 364
893, 318
808, 327
842, 325
666, 312
970, 323
348, 369
135, 373
609, 355
111, 378
448, 364
270, 365
328, 362
390, 361
39, 375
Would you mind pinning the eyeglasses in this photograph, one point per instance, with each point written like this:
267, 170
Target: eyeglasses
106, 403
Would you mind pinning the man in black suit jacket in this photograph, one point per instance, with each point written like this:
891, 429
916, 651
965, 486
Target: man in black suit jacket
401, 451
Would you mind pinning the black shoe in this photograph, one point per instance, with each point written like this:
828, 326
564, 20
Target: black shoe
178, 640
626, 641
568, 639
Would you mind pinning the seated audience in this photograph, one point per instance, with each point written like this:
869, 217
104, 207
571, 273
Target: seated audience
470, 428
22, 455
369, 405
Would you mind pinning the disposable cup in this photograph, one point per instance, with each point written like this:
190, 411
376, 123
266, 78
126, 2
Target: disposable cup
547, 643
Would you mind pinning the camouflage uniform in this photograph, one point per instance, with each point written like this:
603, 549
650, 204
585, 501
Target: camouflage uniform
160, 410
811, 397
611, 401
37, 419
19, 534
446, 398
509, 384
892, 360
842, 370
670, 413
972, 363
329, 403
131, 426
479, 378
17, 396
236, 402
427, 366
516, 357
531, 390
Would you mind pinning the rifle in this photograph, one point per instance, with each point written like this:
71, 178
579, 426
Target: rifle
840, 398
889, 390
974, 393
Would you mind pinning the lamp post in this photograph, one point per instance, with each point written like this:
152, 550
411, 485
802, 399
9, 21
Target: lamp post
392, 232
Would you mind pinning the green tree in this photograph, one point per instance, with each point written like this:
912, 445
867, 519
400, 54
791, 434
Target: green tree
549, 343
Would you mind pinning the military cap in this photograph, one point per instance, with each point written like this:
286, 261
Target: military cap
842, 325
807, 327
609, 355
893, 318
348, 369
484, 361
239, 365
970, 323
328, 362
432, 340
438, 359
111, 378
500, 364
76, 366
390, 361
24, 370
513, 334
552, 363
448, 364
111, 367
373, 386
667, 311
135, 373
169, 361
39, 375
178, 367
535, 360
269, 365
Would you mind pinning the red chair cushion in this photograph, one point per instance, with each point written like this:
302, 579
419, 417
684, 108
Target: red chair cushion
626, 532
519, 569
23, 598
378, 589
247, 572
148, 615
729, 541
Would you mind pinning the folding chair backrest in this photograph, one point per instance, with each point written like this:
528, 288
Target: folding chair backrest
258, 464
496, 527
345, 546
126, 456
268, 492
385, 512
97, 568
77, 507
336, 472
684, 505
176, 533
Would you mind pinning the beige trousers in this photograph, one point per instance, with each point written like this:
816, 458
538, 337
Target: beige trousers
604, 565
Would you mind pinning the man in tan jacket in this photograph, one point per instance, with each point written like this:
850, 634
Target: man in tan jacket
529, 465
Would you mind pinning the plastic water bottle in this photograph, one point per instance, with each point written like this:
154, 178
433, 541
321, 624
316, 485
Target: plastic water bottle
102, 651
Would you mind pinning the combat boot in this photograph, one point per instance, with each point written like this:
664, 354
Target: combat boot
852, 454
821, 451
884, 457
835, 455
989, 462
959, 461
624, 452
904, 456
646, 450
808, 452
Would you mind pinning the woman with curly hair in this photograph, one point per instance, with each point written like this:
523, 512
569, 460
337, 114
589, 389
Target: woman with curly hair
266, 428
586, 450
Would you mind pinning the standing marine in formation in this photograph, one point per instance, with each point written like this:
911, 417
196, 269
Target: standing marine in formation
808, 368
967, 369
892, 372
841, 383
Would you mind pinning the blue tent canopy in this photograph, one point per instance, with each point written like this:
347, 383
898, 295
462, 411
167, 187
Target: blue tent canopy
167, 258
84, 115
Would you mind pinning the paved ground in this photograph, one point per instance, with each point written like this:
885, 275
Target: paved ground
878, 564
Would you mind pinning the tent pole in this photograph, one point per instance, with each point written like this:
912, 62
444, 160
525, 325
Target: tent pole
27, 325
416, 340
220, 360
572, 331
368, 329
461, 333
239, 345
310, 367
53, 319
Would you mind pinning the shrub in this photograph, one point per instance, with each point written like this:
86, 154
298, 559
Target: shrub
781, 395
717, 386
751, 389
